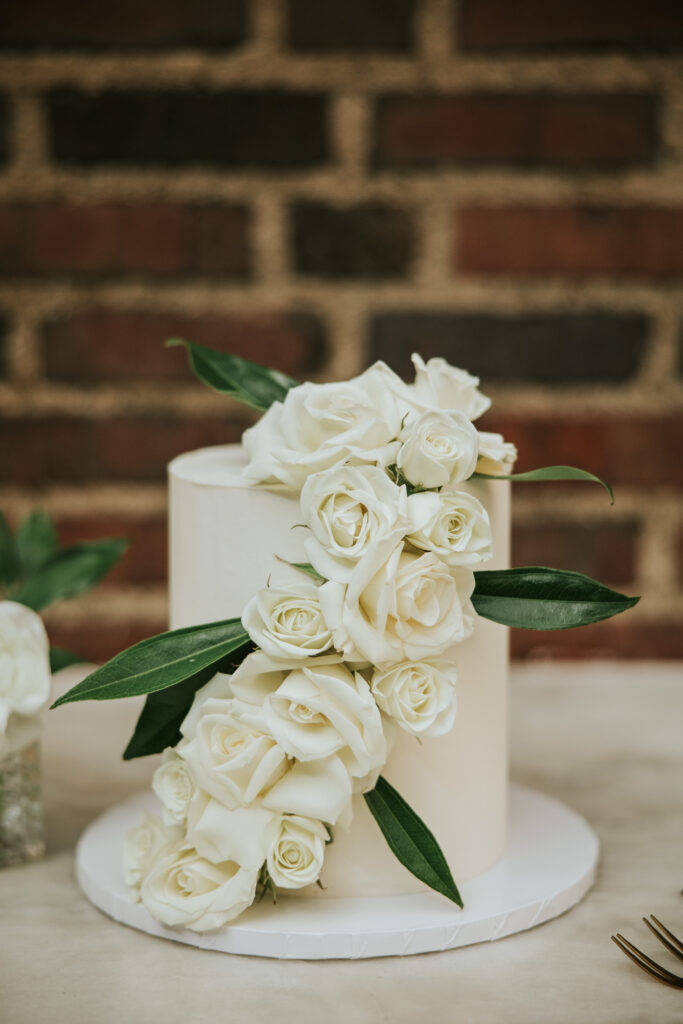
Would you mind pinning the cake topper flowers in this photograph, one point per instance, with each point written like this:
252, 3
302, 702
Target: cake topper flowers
271, 724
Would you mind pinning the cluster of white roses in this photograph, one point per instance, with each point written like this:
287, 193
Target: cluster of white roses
271, 756
24, 672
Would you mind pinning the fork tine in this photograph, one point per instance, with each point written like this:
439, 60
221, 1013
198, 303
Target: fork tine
662, 973
671, 942
638, 962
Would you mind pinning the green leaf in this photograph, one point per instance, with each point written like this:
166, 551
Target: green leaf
9, 556
59, 659
410, 840
36, 541
304, 567
159, 723
72, 571
550, 473
159, 662
248, 382
538, 598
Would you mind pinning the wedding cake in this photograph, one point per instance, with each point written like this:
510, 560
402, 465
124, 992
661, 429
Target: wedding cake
330, 702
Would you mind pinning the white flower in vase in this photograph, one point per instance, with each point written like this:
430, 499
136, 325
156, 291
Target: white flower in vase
24, 662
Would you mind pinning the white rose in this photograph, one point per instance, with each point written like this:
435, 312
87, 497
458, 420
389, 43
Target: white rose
243, 834
406, 608
321, 425
183, 889
442, 386
316, 711
24, 662
418, 695
452, 524
234, 758
296, 856
230, 752
173, 784
287, 621
438, 448
496, 455
141, 847
349, 508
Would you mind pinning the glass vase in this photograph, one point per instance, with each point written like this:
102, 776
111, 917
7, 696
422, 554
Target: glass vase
21, 805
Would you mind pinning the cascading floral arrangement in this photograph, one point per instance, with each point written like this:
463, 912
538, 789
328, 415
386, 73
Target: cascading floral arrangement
269, 725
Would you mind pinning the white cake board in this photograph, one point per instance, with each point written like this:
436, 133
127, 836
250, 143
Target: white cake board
548, 867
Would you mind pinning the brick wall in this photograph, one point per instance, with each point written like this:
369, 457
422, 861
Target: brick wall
317, 183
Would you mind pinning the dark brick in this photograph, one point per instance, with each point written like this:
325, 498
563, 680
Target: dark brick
145, 560
537, 24
4, 130
4, 330
619, 240
538, 348
620, 638
554, 129
369, 240
39, 451
115, 239
108, 345
99, 641
631, 450
246, 128
356, 26
606, 551
128, 24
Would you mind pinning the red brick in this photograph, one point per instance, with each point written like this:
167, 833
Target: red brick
96, 641
528, 129
575, 241
145, 560
615, 638
72, 449
606, 551
538, 24
114, 239
101, 344
628, 450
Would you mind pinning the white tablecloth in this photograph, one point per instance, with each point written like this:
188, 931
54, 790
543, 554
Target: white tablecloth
605, 738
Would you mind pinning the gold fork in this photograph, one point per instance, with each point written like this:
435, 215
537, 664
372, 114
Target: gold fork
655, 970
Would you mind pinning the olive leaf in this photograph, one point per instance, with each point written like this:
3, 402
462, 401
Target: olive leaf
539, 598
160, 661
255, 385
549, 473
410, 840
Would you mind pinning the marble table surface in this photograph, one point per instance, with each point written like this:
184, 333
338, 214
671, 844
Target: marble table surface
606, 738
